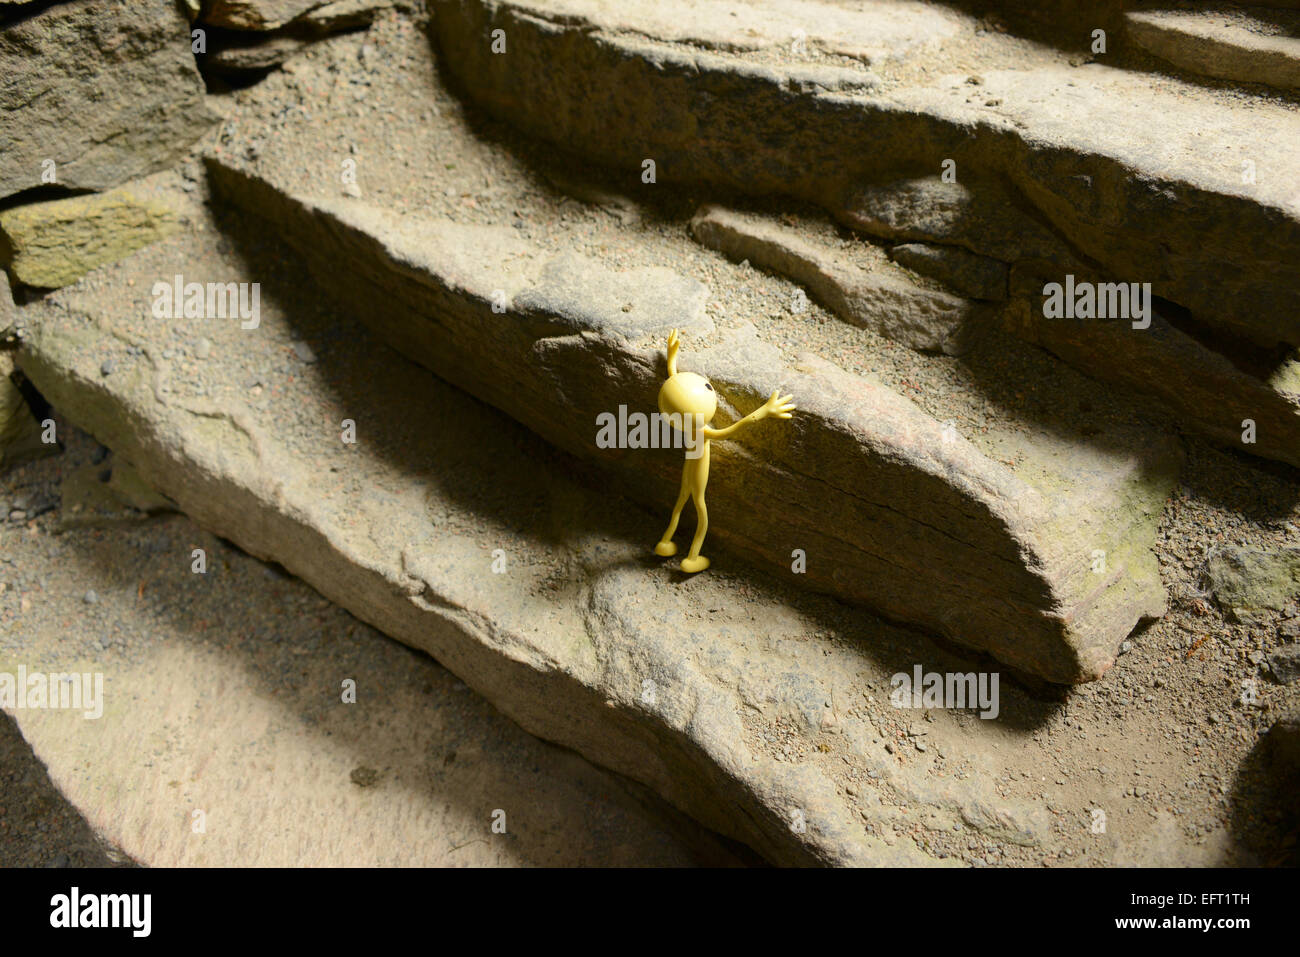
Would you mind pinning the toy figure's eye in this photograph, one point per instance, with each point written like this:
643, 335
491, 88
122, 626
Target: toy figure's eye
709, 386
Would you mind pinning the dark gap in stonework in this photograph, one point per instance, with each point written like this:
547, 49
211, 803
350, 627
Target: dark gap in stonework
1252, 359
37, 403
230, 75
41, 194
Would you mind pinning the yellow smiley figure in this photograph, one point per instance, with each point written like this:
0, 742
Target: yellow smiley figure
689, 402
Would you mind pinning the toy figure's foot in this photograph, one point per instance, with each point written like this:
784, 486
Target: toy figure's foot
696, 564
665, 549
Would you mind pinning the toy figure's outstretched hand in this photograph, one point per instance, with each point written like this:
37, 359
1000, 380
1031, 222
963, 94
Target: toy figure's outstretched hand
674, 343
778, 406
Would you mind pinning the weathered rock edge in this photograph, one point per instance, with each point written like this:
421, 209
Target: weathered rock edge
1121, 174
107, 92
891, 515
1197, 41
237, 480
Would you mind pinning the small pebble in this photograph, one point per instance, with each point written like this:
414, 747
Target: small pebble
90, 597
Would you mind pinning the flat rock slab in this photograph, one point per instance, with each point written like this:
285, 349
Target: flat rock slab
753, 713
872, 31
887, 303
51, 244
104, 92
1222, 41
223, 693
1000, 561
1252, 407
1146, 179
980, 277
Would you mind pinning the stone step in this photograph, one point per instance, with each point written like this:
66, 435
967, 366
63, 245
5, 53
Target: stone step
996, 558
1151, 180
762, 709
1245, 401
860, 292
421, 248
1256, 411
224, 693
1224, 41
696, 688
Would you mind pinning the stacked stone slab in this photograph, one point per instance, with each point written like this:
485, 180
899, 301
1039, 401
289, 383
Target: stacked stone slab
915, 524
1223, 41
400, 528
254, 36
93, 94
1091, 172
1034, 547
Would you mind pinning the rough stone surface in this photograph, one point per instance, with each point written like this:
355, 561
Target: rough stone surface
763, 702
1286, 377
108, 91
261, 40
317, 16
982, 217
223, 692
54, 243
263, 54
1204, 390
979, 277
873, 31
1224, 42
1017, 217
440, 479
888, 304
561, 641
887, 472
256, 14
1247, 580
103, 494
1285, 664
1114, 167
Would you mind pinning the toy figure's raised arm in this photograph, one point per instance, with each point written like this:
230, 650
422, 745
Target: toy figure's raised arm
778, 406
674, 343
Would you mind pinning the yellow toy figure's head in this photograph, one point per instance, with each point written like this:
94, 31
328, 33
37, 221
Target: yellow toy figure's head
687, 394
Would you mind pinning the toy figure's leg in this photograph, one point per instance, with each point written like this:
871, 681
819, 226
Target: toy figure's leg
699, 479
694, 561
666, 546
